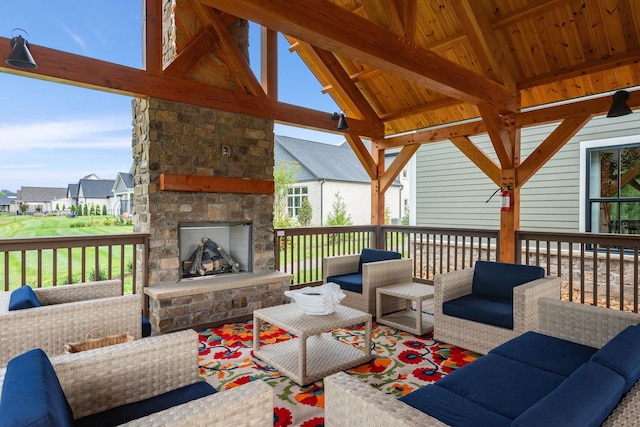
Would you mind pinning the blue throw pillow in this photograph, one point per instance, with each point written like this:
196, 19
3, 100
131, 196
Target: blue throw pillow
374, 255
32, 395
497, 279
22, 298
622, 355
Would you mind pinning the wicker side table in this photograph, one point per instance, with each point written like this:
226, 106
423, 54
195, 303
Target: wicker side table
409, 320
313, 354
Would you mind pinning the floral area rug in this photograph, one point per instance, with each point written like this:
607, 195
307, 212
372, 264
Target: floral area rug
401, 362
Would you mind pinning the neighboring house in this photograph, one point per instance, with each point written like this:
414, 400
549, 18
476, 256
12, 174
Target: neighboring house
95, 191
40, 199
592, 184
123, 194
6, 201
326, 170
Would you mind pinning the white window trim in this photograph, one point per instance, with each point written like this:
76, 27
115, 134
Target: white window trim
584, 146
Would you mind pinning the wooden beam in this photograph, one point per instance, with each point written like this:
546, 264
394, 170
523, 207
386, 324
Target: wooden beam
498, 134
361, 152
324, 24
394, 169
549, 147
340, 79
269, 62
384, 13
418, 109
479, 158
435, 134
201, 45
214, 184
152, 35
62, 67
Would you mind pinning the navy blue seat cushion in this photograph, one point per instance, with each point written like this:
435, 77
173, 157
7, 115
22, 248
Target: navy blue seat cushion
22, 298
497, 279
584, 399
453, 409
32, 395
146, 327
132, 411
348, 282
483, 309
551, 354
374, 255
504, 386
622, 354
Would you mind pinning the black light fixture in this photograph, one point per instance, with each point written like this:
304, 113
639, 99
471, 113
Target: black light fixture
619, 105
342, 121
20, 56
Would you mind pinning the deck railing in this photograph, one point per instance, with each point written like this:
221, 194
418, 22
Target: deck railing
52, 261
598, 269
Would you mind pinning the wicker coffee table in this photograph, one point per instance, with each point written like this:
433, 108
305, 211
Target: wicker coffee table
313, 354
409, 320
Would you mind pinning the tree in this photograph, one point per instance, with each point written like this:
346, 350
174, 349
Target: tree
79, 210
92, 209
104, 210
23, 207
305, 213
284, 176
57, 207
86, 210
338, 215
63, 207
73, 209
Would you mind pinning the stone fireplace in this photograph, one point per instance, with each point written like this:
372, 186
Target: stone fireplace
200, 169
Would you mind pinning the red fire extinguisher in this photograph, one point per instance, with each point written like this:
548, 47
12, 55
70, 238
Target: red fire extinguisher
505, 199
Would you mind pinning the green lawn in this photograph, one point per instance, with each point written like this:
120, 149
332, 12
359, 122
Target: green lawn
30, 226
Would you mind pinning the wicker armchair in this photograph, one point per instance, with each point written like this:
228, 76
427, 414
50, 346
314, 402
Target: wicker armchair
67, 314
374, 275
96, 380
482, 337
350, 402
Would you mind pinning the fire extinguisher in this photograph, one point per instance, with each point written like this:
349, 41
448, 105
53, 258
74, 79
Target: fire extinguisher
505, 199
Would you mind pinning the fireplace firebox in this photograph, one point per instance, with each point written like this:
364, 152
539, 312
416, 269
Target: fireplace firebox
214, 248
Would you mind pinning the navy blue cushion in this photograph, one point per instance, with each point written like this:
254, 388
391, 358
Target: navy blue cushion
32, 395
483, 309
551, 354
622, 354
453, 409
348, 282
133, 411
374, 255
584, 399
497, 279
501, 385
146, 327
22, 298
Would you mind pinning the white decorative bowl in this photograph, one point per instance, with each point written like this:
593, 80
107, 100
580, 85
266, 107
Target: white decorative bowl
317, 300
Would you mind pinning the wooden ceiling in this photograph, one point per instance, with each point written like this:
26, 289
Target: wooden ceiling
393, 66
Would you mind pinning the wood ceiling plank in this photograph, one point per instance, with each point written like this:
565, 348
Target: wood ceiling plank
418, 109
63, 67
478, 157
407, 9
325, 24
384, 13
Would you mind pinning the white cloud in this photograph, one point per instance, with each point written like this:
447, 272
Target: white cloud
76, 38
109, 132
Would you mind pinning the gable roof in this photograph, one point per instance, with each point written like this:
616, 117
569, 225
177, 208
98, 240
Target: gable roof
95, 188
72, 190
325, 161
41, 194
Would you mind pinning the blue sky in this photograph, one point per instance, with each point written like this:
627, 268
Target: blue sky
51, 135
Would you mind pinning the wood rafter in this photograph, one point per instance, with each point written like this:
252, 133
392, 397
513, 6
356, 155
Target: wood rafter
384, 13
363, 41
499, 134
153, 36
269, 62
394, 169
363, 155
478, 157
193, 53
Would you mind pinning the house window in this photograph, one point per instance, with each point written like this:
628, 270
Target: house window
294, 200
613, 189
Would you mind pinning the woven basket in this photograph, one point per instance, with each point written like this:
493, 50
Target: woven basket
90, 343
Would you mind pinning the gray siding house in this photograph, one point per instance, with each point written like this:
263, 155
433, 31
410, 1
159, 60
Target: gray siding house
40, 199
563, 196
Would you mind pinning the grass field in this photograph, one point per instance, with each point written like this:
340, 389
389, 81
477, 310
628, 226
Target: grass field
32, 226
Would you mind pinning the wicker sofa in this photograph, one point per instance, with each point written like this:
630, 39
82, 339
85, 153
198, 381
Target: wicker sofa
349, 402
67, 314
98, 380
371, 273
482, 336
